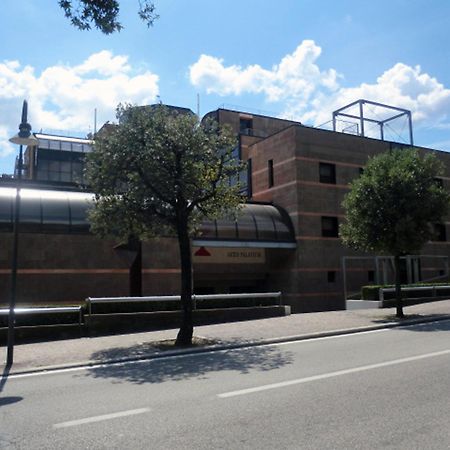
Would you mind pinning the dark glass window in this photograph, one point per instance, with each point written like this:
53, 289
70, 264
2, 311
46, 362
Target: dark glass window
371, 276
440, 232
249, 178
327, 173
54, 176
270, 172
331, 275
246, 126
330, 226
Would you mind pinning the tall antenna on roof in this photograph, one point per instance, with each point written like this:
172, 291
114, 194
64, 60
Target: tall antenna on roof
95, 121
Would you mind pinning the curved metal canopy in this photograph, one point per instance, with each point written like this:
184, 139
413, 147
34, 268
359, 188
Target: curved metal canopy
45, 211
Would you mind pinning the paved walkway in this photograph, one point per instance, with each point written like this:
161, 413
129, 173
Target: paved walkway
75, 352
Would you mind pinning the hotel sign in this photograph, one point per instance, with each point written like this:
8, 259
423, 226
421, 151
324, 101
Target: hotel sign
220, 255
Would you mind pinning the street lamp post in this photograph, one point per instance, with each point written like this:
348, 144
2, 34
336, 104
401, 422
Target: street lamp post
24, 137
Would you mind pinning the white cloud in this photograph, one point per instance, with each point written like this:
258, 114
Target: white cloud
6, 148
104, 63
296, 75
63, 97
309, 93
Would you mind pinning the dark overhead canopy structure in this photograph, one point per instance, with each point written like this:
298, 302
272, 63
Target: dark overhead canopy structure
65, 212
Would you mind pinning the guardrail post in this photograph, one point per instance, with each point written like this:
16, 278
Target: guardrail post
381, 296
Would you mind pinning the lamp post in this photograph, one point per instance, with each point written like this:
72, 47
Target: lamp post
24, 137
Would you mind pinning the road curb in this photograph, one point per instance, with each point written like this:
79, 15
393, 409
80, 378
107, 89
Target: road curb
225, 346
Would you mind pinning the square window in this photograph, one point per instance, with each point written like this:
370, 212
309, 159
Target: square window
327, 173
330, 226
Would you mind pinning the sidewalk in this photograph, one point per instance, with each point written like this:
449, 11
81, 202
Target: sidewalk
76, 352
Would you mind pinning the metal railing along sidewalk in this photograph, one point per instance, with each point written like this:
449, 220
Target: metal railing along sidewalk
176, 298
433, 289
46, 310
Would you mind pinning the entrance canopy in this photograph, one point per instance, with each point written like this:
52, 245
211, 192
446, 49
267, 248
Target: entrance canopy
46, 211
256, 225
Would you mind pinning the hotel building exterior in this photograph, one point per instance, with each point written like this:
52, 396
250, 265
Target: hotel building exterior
285, 239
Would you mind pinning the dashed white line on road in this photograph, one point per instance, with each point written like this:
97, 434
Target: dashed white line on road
73, 423
331, 374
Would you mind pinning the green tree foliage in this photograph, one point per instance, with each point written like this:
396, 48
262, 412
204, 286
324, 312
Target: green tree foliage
160, 172
392, 207
103, 14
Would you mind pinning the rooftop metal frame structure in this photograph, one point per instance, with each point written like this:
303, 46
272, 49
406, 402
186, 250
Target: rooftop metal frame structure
396, 113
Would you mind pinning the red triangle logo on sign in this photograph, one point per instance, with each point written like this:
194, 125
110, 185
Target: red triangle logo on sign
202, 252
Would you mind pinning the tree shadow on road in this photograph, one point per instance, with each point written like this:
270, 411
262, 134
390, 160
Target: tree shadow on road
158, 370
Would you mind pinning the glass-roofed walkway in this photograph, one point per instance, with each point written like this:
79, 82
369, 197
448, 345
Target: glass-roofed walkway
64, 212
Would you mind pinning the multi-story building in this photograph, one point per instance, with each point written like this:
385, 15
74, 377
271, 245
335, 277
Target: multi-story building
285, 239
57, 160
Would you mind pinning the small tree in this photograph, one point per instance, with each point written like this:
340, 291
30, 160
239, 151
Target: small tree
392, 206
159, 172
103, 13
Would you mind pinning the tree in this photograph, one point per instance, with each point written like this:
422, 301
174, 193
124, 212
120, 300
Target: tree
392, 206
160, 172
103, 13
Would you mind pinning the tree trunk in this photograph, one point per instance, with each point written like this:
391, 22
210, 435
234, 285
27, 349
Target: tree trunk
398, 290
135, 274
184, 336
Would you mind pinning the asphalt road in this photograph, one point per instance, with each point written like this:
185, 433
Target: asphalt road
384, 389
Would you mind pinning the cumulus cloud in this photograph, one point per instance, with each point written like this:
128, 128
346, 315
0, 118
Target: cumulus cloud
297, 75
63, 97
402, 86
309, 93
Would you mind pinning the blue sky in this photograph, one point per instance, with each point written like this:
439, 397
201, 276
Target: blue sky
299, 59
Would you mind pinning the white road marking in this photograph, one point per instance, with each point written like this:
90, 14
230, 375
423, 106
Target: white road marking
73, 423
51, 371
331, 374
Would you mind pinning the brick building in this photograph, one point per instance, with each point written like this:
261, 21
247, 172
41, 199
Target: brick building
286, 238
